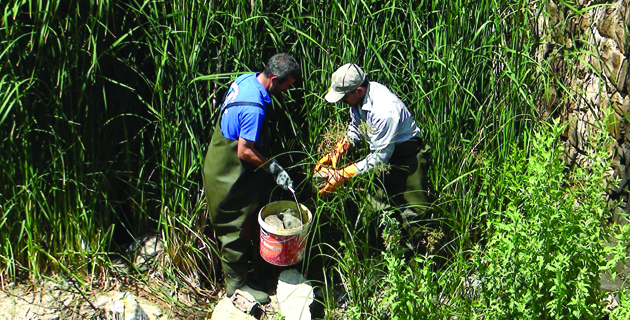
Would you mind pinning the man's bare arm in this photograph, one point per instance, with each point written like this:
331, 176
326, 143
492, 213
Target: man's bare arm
246, 151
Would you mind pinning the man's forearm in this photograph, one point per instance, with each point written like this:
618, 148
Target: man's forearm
246, 152
253, 157
374, 159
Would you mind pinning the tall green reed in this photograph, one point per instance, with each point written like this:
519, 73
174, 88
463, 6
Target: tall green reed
56, 173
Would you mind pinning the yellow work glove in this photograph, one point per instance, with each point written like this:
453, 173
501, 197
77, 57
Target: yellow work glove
336, 177
333, 157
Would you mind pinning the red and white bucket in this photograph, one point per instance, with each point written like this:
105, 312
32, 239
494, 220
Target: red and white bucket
283, 247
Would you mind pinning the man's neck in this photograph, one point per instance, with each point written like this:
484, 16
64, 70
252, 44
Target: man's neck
266, 82
361, 101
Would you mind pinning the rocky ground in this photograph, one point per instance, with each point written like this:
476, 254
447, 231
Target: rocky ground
148, 296
51, 300
128, 291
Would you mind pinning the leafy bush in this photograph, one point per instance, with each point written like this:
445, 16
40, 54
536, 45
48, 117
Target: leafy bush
545, 249
543, 255
623, 310
409, 289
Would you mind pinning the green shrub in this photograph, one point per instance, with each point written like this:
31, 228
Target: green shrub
623, 310
544, 251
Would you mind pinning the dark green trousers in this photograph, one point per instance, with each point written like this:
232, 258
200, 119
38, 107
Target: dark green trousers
405, 188
235, 190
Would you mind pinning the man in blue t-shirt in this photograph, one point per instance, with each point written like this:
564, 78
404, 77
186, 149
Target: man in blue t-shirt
237, 167
242, 120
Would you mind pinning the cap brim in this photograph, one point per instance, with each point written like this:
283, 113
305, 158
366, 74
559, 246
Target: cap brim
333, 96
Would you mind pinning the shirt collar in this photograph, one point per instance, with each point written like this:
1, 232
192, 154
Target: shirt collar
368, 100
263, 92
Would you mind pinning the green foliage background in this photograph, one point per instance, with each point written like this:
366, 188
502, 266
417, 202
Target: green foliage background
105, 111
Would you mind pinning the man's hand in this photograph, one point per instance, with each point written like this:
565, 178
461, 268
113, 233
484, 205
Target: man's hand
332, 158
336, 177
280, 175
247, 152
320, 164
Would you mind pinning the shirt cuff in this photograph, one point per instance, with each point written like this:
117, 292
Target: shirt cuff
374, 159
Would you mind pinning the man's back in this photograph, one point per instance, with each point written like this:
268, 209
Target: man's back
244, 120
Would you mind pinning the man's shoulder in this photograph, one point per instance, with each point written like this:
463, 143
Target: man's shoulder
248, 91
380, 94
245, 80
379, 87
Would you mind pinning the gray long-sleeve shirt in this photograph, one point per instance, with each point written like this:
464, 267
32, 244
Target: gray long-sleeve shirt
388, 122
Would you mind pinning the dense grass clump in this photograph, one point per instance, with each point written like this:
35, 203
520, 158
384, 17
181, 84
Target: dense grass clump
105, 115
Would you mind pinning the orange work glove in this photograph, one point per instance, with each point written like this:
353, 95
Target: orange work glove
340, 149
336, 177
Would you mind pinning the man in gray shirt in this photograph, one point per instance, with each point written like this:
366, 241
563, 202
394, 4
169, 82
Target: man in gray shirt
393, 137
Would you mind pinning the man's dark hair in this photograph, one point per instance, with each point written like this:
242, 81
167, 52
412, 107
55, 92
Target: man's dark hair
365, 83
283, 65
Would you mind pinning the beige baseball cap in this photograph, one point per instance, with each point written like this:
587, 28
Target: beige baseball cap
347, 78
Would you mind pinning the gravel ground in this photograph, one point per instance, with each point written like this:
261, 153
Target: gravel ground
51, 301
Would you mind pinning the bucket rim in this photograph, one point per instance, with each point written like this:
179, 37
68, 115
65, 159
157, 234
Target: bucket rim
285, 232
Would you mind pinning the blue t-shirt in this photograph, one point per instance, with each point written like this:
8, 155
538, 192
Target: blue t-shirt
245, 121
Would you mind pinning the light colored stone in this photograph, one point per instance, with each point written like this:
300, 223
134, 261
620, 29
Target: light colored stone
151, 247
614, 125
274, 222
621, 272
294, 295
622, 74
244, 301
21, 303
614, 61
612, 301
121, 305
617, 104
56, 300
291, 212
153, 311
320, 179
291, 222
619, 216
225, 310
611, 24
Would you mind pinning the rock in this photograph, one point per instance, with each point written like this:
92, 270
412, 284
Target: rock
246, 303
225, 310
611, 24
150, 308
139, 255
341, 298
620, 216
294, 295
290, 212
612, 301
291, 222
622, 74
287, 219
274, 222
150, 248
121, 305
